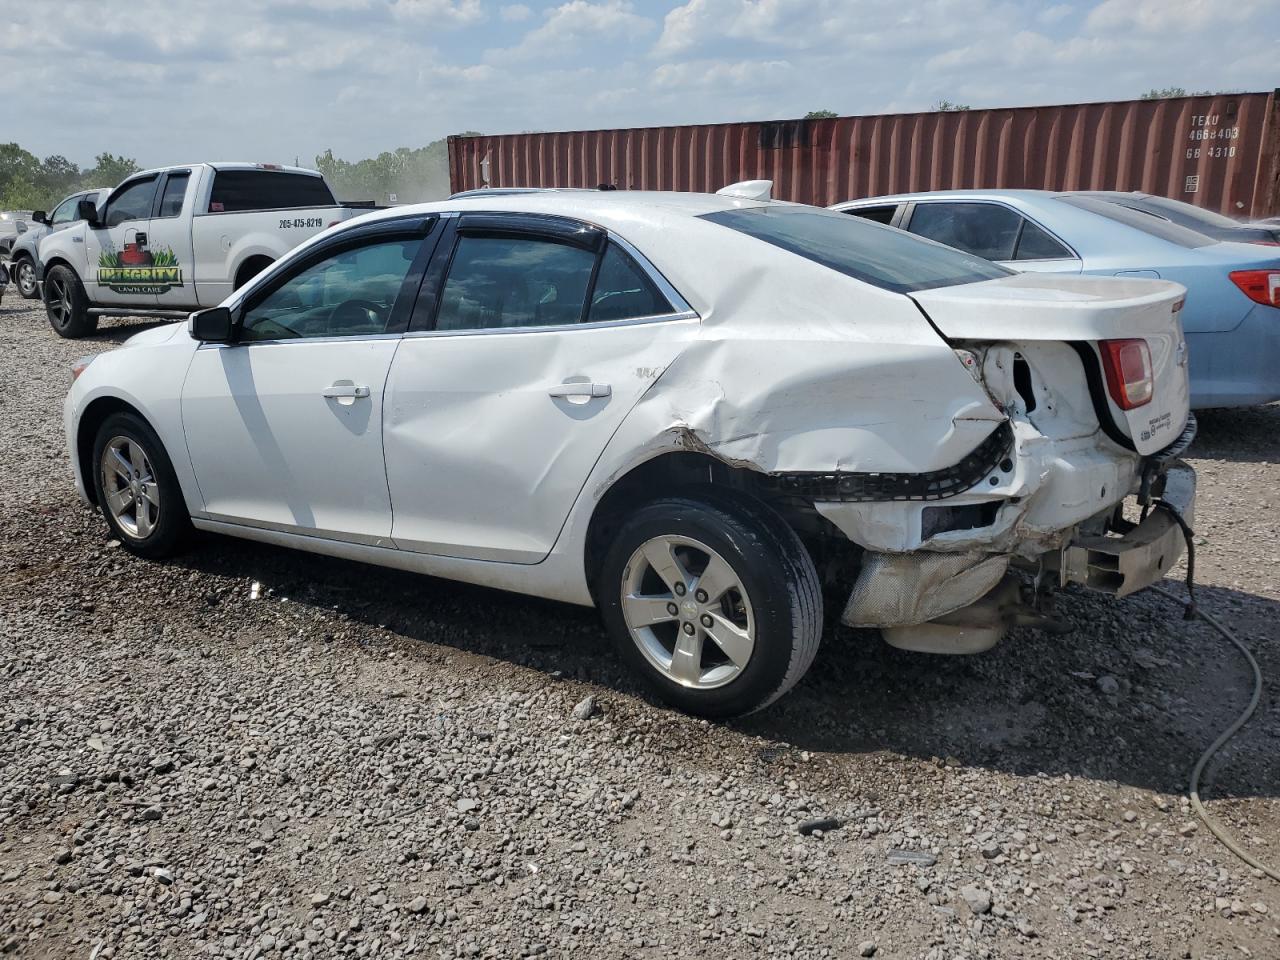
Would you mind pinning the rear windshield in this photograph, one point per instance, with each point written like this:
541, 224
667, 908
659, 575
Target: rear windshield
1150, 223
881, 256
236, 191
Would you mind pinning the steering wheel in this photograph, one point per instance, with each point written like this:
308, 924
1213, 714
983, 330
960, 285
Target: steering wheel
357, 312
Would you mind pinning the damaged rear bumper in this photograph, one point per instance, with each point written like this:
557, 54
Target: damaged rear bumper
963, 602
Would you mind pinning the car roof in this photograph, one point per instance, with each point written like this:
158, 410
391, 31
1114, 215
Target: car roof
604, 206
228, 165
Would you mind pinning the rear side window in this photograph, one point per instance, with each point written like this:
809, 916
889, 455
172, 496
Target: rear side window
987, 230
238, 191
881, 256
175, 188
507, 282
623, 292
1035, 244
875, 214
1148, 223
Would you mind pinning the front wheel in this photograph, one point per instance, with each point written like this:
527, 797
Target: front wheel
67, 304
713, 599
136, 487
24, 275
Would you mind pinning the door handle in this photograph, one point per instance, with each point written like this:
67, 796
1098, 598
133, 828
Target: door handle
340, 390
586, 390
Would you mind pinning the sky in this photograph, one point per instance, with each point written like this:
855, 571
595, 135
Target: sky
173, 81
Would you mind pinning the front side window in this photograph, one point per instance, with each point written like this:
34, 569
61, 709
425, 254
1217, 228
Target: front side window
236, 191
131, 202
175, 188
65, 212
347, 294
986, 230
882, 256
506, 282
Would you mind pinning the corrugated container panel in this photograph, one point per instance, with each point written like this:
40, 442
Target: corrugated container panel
1218, 152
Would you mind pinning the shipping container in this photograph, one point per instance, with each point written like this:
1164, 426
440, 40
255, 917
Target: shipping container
1218, 152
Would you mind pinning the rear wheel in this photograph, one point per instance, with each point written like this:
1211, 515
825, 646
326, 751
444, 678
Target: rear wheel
24, 275
67, 305
713, 600
136, 487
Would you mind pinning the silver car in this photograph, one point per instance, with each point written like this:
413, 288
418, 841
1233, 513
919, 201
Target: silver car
25, 249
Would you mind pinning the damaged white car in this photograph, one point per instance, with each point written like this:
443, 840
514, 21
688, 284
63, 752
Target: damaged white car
704, 415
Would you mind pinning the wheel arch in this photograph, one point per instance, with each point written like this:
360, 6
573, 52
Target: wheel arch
250, 267
675, 472
60, 261
94, 415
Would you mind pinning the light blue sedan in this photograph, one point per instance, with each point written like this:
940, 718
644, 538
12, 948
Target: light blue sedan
1232, 313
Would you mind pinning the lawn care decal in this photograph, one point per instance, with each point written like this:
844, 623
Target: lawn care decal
137, 270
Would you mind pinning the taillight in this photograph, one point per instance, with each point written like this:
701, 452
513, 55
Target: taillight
1260, 286
1129, 375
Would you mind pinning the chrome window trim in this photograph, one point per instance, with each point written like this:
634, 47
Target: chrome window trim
552, 328
294, 341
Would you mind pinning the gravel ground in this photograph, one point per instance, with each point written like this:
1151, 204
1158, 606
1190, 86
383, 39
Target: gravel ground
367, 763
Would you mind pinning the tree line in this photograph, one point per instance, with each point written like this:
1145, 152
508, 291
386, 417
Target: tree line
29, 183
411, 175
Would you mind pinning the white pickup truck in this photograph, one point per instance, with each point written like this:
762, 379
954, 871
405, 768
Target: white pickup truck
172, 240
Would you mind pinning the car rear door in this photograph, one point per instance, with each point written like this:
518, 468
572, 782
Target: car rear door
533, 338
169, 241
994, 231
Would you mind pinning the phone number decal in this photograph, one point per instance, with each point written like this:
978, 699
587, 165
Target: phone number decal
301, 223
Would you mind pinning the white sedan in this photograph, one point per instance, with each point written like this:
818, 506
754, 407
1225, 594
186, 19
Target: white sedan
704, 414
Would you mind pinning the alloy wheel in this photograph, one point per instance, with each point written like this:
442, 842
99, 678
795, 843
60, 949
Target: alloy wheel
688, 612
26, 278
129, 487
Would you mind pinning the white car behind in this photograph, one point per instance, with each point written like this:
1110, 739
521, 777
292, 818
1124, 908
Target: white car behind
707, 416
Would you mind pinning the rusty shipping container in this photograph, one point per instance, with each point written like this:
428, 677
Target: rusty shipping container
1218, 152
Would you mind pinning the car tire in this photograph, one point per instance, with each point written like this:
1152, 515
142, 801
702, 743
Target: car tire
136, 488
770, 615
24, 278
67, 305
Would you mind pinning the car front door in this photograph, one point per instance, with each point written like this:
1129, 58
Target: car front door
993, 231
284, 425
169, 242
119, 266
529, 350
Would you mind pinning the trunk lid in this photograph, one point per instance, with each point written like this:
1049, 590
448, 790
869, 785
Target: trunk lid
1082, 311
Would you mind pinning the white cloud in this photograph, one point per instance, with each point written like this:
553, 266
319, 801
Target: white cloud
1173, 16
438, 12
515, 13
721, 76
575, 26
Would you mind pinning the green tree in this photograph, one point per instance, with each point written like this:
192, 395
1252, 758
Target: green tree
109, 170
946, 106
820, 115
411, 174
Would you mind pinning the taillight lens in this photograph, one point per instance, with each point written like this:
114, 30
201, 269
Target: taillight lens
1129, 375
1260, 286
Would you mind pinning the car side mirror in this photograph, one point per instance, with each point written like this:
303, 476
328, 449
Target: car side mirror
212, 326
87, 211
39, 216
